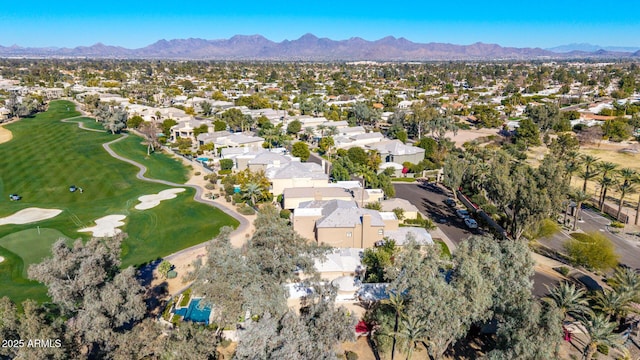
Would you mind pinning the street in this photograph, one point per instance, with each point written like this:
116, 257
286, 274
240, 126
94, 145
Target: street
628, 251
429, 199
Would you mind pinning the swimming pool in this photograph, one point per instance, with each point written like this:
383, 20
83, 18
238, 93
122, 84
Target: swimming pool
203, 159
194, 313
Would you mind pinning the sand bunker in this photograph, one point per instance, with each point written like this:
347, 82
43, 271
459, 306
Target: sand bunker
106, 226
1, 259
5, 135
151, 201
29, 215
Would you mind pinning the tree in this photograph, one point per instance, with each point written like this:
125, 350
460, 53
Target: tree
202, 129
600, 332
440, 126
414, 331
563, 145
376, 259
616, 305
206, 108
301, 150
134, 122
253, 191
113, 118
294, 127
167, 124
627, 186
568, 299
150, 132
164, 268
590, 171
226, 164
528, 133
326, 143
579, 197
86, 283
592, 250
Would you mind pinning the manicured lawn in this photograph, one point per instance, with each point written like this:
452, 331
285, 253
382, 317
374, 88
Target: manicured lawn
90, 123
46, 156
159, 165
31, 245
444, 249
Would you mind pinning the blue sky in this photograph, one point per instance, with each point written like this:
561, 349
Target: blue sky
133, 24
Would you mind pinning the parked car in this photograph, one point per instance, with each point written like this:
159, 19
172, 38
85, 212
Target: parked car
462, 213
471, 224
450, 201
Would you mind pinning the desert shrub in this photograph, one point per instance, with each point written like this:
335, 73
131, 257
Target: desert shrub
285, 214
592, 250
245, 209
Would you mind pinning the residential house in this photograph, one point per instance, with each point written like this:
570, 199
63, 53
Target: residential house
410, 211
227, 139
397, 152
295, 174
185, 129
342, 224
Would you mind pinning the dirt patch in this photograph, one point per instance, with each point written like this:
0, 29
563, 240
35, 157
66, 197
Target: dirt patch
468, 135
5, 135
106, 226
29, 215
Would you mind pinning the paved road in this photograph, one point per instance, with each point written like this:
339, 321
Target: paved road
628, 250
429, 199
197, 197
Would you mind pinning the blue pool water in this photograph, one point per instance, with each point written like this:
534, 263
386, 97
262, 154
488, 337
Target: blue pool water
194, 313
202, 159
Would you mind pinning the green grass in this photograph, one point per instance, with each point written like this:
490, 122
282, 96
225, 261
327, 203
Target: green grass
45, 156
403, 179
31, 245
444, 249
159, 165
89, 123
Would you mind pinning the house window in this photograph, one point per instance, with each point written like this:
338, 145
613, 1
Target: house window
349, 234
380, 232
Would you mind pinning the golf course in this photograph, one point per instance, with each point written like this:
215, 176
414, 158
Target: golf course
46, 156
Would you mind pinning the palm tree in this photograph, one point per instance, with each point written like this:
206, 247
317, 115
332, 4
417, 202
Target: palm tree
271, 136
571, 167
605, 167
579, 197
414, 330
626, 280
568, 299
589, 172
309, 133
396, 301
253, 191
605, 183
614, 304
321, 128
600, 332
332, 130
623, 189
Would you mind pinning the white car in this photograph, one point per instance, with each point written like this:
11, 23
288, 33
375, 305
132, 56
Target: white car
462, 213
471, 224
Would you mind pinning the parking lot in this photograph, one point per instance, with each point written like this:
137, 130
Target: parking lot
430, 200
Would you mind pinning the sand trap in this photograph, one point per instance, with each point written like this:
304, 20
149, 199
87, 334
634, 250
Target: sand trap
1, 259
106, 226
5, 135
29, 215
151, 201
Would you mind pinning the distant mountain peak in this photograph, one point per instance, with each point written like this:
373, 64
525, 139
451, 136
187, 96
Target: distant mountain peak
311, 48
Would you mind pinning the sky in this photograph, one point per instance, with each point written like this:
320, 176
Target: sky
135, 24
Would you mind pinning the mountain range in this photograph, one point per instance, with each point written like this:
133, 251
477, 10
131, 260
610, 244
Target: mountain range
311, 48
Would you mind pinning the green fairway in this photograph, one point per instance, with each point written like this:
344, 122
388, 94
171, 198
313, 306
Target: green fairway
46, 156
159, 165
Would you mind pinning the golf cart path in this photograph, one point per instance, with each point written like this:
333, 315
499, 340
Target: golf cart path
244, 223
